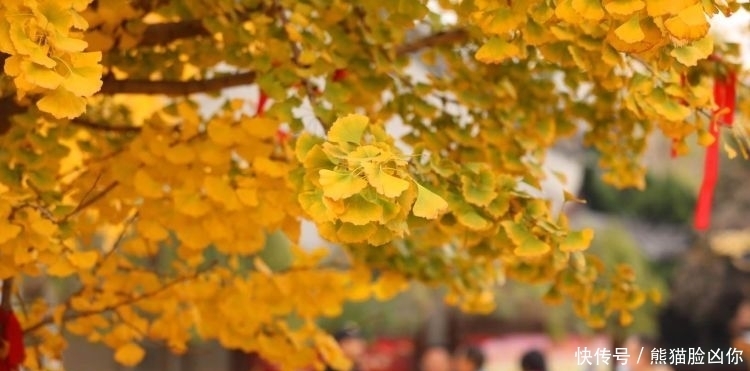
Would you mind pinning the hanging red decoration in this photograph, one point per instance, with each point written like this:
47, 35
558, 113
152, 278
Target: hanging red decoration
262, 99
13, 350
725, 87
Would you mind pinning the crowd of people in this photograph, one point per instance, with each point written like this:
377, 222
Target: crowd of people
437, 358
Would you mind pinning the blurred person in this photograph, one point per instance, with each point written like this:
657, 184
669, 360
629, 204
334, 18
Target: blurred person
352, 344
435, 358
533, 360
468, 359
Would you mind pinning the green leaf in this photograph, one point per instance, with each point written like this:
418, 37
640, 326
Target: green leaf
577, 241
468, 216
689, 55
348, 129
527, 245
428, 205
312, 202
479, 189
340, 185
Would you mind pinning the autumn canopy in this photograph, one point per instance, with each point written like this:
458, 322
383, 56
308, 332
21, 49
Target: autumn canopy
102, 135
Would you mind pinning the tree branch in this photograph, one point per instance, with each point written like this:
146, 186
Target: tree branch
165, 33
441, 38
103, 127
176, 88
48, 319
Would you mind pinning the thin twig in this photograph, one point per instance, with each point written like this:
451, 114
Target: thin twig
132, 300
83, 205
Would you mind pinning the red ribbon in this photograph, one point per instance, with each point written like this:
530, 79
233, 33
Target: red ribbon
725, 95
12, 335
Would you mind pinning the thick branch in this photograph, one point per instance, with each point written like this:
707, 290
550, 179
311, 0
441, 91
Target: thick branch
165, 33
175, 88
102, 127
441, 38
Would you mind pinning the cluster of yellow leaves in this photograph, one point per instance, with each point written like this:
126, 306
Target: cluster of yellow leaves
355, 185
47, 57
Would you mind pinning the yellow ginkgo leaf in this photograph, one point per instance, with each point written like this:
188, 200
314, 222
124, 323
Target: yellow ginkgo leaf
85, 73
129, 354
689, 24
577, 241
259, 127
9, 232
623, 7
348, 129
339, 185
656, 8
61, 268
146, 186
190, 203
180, 154
428, 205
497, 50
588, 9
221, 133
41, 76
83, 259
630, 31
61, 103
384, 183
689, 55
527, 245
388, 285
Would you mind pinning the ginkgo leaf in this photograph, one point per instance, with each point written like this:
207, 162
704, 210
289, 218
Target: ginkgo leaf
41, 76
339, 185
577, 241
360, 211
84, 77
146, 186
630, 31
129, 354
190, 203
588, 9
689, 55
61, 103
479, 189
83, 260
624, 7
657, 8
180, 154
497, 50
305, 142
428, 205
9, 232
348, 129
527, 245
689, 24
389, 285
384, 183
61, 267
221, 133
